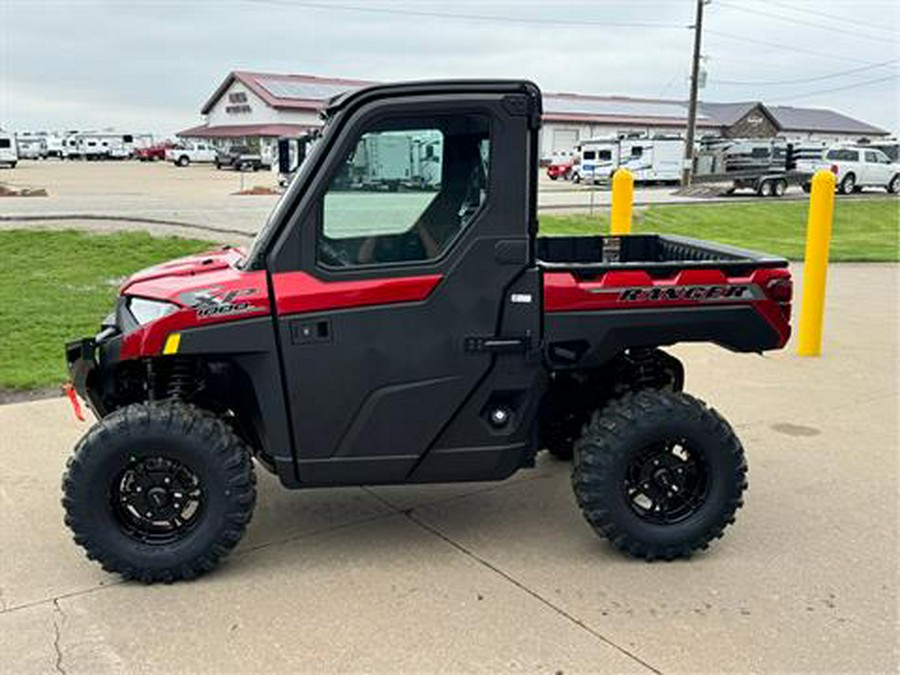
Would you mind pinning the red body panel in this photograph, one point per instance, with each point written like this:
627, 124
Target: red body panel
297, 292
207, 288
636, 289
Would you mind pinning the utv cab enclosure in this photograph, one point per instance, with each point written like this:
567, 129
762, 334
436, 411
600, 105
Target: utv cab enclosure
411, 330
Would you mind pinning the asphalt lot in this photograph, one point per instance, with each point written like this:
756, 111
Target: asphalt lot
200, 195
507, 576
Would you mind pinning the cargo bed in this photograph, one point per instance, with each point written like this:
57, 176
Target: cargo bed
656, 254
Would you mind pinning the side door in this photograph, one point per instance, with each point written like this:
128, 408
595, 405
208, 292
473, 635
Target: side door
393, 289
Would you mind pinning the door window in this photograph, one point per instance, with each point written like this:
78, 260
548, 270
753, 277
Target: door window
871, 157
405, 192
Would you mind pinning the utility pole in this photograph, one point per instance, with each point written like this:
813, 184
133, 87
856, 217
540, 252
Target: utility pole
687, 169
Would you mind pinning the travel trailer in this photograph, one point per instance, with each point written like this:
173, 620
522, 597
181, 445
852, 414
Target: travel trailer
31, 145
655, 159
98, 145
9, 155
599, 158
650, 158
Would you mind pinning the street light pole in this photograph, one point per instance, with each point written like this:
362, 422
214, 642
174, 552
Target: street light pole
687, 169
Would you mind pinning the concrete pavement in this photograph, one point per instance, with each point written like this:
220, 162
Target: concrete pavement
508, 577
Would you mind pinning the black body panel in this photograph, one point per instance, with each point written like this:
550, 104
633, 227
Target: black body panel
590, 339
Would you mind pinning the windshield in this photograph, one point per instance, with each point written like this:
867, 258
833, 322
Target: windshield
278, 213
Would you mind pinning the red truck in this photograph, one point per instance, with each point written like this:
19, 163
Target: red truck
436, 339
152, 153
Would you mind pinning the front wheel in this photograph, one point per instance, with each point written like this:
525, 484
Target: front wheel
659, 474
159, 492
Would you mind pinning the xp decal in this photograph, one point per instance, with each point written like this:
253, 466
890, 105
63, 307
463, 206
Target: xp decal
216, 301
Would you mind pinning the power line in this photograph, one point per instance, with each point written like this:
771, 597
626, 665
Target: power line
844, 88
493, 18
779, 17
807, 79
843, 19
790, 48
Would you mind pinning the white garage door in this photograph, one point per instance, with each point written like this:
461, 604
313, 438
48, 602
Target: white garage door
564, 140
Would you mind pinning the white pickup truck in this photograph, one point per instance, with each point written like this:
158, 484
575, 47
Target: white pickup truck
186, 153
856, 167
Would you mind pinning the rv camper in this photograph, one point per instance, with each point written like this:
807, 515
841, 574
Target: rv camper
653, 159
599, 158
9, 155
649, 158
31, 145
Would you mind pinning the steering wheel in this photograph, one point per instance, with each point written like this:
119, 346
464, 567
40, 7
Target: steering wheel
336, 256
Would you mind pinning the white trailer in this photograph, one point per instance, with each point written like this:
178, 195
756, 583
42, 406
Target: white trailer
649, 158
384, 159
656, 159
599, 158
31, 145
9, 154
54, 146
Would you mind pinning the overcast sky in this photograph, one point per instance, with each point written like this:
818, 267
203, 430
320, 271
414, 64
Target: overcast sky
149, 66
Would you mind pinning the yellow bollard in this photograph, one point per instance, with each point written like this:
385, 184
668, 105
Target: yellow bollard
815, 265
622, 201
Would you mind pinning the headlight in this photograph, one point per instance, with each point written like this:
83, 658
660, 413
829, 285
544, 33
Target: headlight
144, 311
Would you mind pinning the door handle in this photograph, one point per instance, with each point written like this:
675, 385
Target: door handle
310, 332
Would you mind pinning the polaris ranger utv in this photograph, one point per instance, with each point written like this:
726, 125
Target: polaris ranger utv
425, 334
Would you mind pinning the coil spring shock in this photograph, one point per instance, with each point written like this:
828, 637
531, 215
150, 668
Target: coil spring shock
182, 379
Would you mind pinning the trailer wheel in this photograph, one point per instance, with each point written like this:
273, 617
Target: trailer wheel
159, 491
659, 474
764, 189
779, 187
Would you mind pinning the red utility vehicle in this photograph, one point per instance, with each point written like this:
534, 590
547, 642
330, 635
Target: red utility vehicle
418, 335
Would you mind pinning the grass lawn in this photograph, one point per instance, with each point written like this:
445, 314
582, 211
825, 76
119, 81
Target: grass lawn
864, 230
57, 286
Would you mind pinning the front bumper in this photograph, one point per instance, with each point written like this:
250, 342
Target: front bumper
81, 360
90, 363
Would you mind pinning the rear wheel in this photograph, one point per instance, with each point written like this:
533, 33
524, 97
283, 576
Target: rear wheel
184, 160
764, 189
159, 491
659, 474
779, 187
894, 186
848, 185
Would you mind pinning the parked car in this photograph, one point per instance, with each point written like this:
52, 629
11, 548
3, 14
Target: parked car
9, 154
561, 169
152, 153
240, 158
857, 167
186, 153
